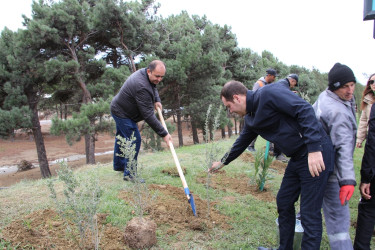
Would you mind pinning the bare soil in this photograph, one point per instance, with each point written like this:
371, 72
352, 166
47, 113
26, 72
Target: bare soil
170, 211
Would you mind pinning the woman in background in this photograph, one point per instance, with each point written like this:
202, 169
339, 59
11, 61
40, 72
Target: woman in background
368, 98
366, 206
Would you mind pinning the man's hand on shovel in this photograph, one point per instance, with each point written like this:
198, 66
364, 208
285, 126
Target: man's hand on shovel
167, 139
215, 167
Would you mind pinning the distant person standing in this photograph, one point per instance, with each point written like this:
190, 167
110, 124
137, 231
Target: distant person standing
136, 101
368, 98
366, 206
263, 81
335, 109
292, 81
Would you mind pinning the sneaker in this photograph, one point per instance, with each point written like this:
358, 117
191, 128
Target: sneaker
266, 248
282, 158
128, 178
131, 179
251, 149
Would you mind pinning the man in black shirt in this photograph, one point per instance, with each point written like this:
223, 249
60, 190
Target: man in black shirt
136, 101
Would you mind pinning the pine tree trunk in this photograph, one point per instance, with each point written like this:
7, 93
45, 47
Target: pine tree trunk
38, 137
229, 130
179, 128
92, 150
66, 112
61, 111
195, 131
223, 133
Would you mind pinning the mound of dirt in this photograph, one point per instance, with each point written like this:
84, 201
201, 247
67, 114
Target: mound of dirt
46, 230
239, 184
140, 233
172, 171
172, 208
279, 166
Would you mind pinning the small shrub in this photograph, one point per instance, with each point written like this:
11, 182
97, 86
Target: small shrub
80, 206
151, 140
211, 150
261, 166
139, 232
141, 195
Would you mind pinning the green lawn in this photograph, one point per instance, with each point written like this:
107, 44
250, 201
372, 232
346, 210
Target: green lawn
252, 220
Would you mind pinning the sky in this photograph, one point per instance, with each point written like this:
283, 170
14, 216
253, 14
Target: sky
313, 34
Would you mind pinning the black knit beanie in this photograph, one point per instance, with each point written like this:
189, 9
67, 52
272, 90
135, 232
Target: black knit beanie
339, 75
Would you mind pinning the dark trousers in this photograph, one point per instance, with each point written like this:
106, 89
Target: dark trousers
125, 128
252, 144
298, 181
276, 151
365, 221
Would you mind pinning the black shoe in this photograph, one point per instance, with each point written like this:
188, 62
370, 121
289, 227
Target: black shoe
282, 158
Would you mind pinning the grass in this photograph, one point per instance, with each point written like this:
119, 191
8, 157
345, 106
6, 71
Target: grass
253, 221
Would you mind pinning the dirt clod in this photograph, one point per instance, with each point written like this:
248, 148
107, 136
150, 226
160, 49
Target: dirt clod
140, 233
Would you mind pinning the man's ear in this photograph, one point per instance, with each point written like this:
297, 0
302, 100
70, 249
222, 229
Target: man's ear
237, 98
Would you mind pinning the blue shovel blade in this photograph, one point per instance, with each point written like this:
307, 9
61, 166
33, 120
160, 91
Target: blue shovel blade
191, 200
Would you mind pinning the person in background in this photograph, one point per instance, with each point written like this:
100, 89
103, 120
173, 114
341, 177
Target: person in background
335, 109
263, 81
280, 116
292, 81
136, 101
366, 206
368, 98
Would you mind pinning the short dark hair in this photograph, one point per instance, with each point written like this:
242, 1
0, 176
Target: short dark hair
155, 63
232, 88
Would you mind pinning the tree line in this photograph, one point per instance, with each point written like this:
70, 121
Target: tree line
79, 53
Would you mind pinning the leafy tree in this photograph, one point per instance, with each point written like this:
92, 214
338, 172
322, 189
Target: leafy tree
125, 30
92, 119
23, 81
245, 66
64, 31
196, 51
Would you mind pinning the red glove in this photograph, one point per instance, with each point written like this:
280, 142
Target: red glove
346, 193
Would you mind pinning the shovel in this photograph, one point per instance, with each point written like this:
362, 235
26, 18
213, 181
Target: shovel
180, 173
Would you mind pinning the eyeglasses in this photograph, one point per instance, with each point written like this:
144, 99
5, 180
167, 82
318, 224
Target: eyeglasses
370, 82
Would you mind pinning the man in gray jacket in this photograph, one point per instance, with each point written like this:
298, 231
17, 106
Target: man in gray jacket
335, 109
136, 101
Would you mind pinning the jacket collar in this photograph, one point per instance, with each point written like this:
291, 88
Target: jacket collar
152, 85
250, 102
369, 98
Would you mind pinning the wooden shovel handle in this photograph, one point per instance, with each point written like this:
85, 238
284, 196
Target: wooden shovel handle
180, 173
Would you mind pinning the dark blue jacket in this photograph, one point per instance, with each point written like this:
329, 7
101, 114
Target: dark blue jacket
368, 160
279, 116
